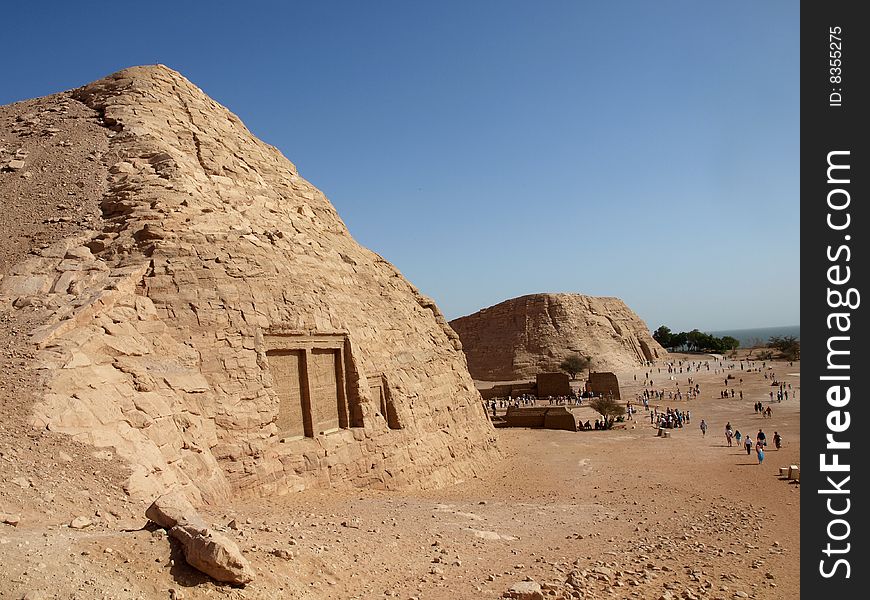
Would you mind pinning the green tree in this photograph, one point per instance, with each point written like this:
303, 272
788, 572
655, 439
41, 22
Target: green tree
574, 364
789, 346
696, 339
755, 342
730, 343
663, 336
608, 408
678, 340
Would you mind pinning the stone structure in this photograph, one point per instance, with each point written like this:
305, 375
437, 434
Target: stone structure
220, 328
546, 417
506, 390
552, 384
603, 384
524, 336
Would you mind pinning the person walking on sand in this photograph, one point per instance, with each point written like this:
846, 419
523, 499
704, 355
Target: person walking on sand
703, 427
748, 445
729, 433
737, 436
759, 451
777, 440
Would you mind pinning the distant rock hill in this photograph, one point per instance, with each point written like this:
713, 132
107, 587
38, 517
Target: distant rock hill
531, 334
203, 310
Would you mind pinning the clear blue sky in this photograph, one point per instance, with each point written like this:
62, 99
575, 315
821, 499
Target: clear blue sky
646, 150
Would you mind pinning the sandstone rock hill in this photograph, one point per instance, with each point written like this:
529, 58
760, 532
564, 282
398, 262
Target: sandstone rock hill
216, 324
531, 334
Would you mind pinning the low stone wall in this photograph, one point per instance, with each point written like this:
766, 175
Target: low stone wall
541, 417
513, 390
560, 418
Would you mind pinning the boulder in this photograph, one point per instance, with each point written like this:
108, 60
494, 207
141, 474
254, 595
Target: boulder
204, 549
213, 553
171, 509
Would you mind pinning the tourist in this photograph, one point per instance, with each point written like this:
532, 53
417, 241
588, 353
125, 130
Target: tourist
737, 436
703, 427
762, 439
759, 451
747, 443
777, 440
728, 433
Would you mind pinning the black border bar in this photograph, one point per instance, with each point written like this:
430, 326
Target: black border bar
835, 167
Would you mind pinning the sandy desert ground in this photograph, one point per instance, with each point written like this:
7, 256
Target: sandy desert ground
601, 514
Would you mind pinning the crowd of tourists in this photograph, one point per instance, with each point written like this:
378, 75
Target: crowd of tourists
671, 418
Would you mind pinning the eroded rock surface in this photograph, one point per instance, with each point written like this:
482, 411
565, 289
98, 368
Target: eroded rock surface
521, 337
218, 326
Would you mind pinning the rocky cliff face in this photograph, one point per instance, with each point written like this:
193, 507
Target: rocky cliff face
218, 326
521, 337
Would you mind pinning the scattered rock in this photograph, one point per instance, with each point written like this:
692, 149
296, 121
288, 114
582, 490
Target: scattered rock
80, 523
525, 590
13, 520
353, 523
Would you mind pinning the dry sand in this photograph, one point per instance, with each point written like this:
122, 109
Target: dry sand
601, 514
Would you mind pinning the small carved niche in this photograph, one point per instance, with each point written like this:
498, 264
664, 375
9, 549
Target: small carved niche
288, 373
381, 396
309, 372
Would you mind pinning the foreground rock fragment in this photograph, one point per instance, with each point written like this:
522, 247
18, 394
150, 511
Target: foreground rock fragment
204, 549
